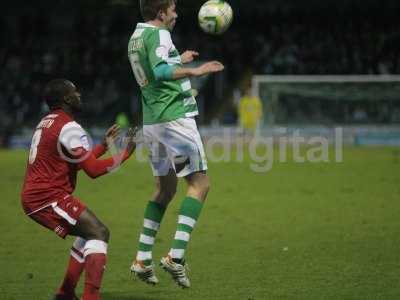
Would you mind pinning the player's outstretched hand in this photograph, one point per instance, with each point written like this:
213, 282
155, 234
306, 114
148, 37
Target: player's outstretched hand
130, 140
188, 56
111, 135
208, 67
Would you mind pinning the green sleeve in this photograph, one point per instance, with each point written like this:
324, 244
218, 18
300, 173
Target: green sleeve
163, 71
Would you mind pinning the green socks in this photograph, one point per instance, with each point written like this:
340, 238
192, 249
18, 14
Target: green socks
188, 215
152, 218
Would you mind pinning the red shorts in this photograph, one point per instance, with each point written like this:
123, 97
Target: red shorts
60, 216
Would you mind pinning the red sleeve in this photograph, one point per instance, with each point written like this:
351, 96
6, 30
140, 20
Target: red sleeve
99, 150
94, 167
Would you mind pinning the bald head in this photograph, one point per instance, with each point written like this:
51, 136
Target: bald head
61, 92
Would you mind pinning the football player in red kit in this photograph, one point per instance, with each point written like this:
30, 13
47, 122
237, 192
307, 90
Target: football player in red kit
60, 147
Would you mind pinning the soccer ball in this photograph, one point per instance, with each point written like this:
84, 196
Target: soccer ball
215, 16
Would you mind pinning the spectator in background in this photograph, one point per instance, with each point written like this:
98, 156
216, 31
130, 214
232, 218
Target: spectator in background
250, 113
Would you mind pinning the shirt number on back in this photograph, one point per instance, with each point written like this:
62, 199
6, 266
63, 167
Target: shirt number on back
137, 68
34, 145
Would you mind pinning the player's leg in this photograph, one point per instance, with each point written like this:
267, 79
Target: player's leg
59, 221
70, 216
97, 235
154, 212
74, 270
166, 182
198, 187
190, 163
174, 262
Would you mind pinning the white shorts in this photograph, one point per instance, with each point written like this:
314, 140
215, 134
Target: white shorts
175, 145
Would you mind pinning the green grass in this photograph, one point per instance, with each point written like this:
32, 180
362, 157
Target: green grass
300, 231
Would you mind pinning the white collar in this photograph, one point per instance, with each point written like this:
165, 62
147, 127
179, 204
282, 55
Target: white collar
147, 25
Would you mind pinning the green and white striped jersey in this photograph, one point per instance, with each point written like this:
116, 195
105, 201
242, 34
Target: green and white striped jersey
163, 101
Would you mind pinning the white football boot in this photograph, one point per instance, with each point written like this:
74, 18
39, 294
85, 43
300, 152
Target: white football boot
144, 273
177, 271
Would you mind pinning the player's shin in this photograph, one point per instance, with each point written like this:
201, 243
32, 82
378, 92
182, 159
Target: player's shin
74, 269
152, 218
95, 252
188, 215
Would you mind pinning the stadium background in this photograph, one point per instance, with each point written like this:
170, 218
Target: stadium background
86, 42
300, 231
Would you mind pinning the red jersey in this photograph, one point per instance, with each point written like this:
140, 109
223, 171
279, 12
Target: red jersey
51, 175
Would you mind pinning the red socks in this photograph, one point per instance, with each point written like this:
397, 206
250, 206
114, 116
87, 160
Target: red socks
91, 256
95, 252
94, 267
71, 279
74, 271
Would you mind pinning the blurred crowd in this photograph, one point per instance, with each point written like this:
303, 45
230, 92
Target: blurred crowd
90, 49
300, 110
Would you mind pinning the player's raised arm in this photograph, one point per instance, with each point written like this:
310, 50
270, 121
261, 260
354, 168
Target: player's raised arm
167, 72
109, 139
206, 68
162, 64
94, 167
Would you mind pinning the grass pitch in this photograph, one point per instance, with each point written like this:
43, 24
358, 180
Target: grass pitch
300, 231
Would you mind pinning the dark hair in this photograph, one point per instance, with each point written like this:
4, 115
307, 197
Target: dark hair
54, 92
150, 8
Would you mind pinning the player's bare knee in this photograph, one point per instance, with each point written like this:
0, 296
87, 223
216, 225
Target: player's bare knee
199, 187
102, 233
170, 192
167, 196
204, 188
205, 183
202, 184
165, 191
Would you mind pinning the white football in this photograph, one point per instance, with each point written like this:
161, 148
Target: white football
215, 16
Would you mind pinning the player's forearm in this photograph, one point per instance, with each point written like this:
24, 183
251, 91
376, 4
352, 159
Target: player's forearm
183, 72
97, 167
99, 150
165, 72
